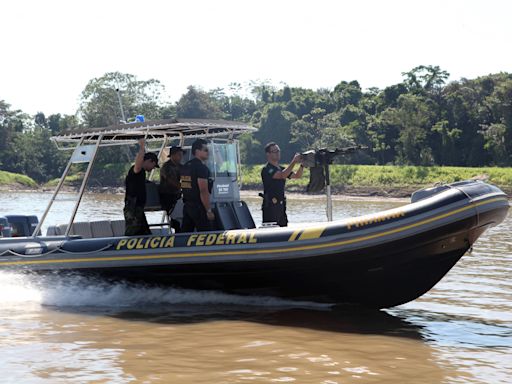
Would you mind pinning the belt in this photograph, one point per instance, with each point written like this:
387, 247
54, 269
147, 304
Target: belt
275, 200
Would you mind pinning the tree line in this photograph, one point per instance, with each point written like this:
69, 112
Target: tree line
424, 120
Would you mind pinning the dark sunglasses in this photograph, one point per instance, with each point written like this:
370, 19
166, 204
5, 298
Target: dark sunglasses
205, 149
275, 151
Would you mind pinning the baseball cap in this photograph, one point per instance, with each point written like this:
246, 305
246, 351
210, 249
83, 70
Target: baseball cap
175, 149
152, 156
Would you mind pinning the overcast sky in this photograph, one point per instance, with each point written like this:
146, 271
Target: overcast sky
50, 49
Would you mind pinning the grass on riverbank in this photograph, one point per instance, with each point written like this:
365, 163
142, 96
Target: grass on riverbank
389, 177
14, 180
71, 180
351, 179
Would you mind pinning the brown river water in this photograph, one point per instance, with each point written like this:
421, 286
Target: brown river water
76, 330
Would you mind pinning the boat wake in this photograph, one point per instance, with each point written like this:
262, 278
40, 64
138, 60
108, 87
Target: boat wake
75, 290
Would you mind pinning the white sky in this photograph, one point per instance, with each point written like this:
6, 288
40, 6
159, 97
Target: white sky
50, 49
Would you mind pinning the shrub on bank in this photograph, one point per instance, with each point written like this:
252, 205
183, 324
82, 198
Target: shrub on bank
11, 179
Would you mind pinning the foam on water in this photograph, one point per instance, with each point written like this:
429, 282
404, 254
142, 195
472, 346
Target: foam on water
80, 291
15, 290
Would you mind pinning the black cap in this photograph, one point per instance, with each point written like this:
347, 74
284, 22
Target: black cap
175, 149
152, 156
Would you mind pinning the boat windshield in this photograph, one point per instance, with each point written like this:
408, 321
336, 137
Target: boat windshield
223, 159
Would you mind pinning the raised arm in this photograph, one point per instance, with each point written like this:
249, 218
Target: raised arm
298, 174
285, 173
139, 159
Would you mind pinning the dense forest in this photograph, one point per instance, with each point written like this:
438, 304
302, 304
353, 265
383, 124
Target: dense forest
424, 120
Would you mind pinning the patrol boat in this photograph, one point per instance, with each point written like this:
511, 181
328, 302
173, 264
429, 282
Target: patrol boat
377, 260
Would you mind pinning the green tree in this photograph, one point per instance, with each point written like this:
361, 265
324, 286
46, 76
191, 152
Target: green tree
445, 143
388, 98
498, 134
34, 155
425, 78
251, 150
347, 93
275, 125
383, 135
333, 134
58, 123
12, 124
413, 118
197, 104
99, 101
234, 106
462, 110
307, 132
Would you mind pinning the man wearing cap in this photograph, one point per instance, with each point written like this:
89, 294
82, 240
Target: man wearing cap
135, 197
170, 186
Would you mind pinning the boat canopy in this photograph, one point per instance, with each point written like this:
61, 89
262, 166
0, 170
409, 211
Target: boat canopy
152, 130
86, 141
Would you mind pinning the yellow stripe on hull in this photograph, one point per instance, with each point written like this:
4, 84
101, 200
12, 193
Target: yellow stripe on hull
309, 233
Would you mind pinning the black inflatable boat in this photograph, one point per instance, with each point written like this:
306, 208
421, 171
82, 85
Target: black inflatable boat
378, 260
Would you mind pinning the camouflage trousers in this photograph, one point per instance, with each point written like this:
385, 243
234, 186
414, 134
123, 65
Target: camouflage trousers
135, 222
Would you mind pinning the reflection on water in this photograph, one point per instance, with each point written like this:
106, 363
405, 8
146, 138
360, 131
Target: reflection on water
75, 329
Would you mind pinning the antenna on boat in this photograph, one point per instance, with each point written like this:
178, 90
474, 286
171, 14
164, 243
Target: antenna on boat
118, 92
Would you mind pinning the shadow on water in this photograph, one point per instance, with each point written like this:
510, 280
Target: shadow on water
332, 319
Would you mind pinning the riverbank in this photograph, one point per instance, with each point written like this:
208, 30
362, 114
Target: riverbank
361, 181
360, 194
249, 193
351, 194
388, 181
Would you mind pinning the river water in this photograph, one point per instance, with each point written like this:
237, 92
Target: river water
77, 330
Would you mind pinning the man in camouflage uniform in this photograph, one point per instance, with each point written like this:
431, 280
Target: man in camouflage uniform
170, 185
136, 223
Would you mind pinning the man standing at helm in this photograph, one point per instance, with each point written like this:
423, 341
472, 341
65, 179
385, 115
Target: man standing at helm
274, 178
135, 197
195, 185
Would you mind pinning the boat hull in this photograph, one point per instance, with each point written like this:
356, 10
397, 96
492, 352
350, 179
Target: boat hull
380, 276
378, 260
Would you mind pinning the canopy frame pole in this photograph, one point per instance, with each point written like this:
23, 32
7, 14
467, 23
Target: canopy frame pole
164, 213
55, 193
84, 183
238, 165
164, 143
328, 191
118, 91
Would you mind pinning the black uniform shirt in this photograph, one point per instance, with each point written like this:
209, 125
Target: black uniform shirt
192, 170
136, 186
273, 188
